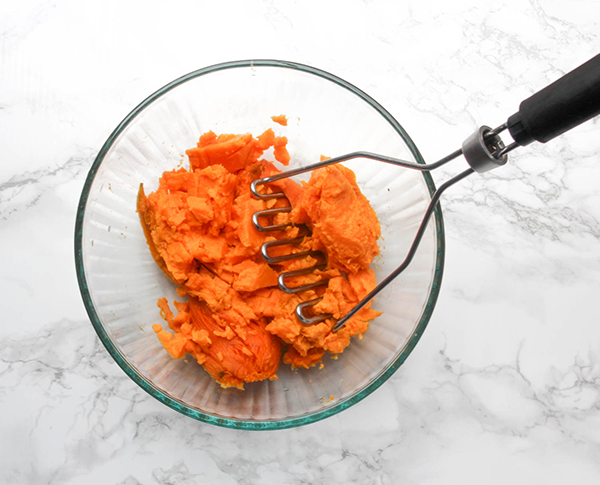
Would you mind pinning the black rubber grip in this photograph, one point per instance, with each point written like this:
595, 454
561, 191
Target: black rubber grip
563, 105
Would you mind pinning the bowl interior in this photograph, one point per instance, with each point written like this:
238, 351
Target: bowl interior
121, 283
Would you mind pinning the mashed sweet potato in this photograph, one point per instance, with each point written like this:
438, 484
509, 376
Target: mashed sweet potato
237, 322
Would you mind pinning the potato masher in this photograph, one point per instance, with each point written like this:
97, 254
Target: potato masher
559, 107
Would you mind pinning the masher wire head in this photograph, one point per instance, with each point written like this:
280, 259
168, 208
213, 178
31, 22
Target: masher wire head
282, 258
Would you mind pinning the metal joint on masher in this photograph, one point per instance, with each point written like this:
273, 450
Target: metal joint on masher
484, 150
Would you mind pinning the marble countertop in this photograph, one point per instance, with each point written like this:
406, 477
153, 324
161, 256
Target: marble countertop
504, 386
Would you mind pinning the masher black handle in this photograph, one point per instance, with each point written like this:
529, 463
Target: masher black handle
562, 105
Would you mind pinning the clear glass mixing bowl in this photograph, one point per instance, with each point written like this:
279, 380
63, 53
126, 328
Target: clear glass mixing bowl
120, 283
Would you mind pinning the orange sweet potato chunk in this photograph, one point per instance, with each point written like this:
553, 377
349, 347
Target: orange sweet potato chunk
280, 150
342, 220
281, 119
230, 359
236, 321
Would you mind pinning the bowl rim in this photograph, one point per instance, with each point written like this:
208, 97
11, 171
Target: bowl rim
177, 404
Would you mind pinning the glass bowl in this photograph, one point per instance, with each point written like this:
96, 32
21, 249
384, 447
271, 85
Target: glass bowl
120, 283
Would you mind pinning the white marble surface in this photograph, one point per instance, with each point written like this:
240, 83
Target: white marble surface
504, 387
